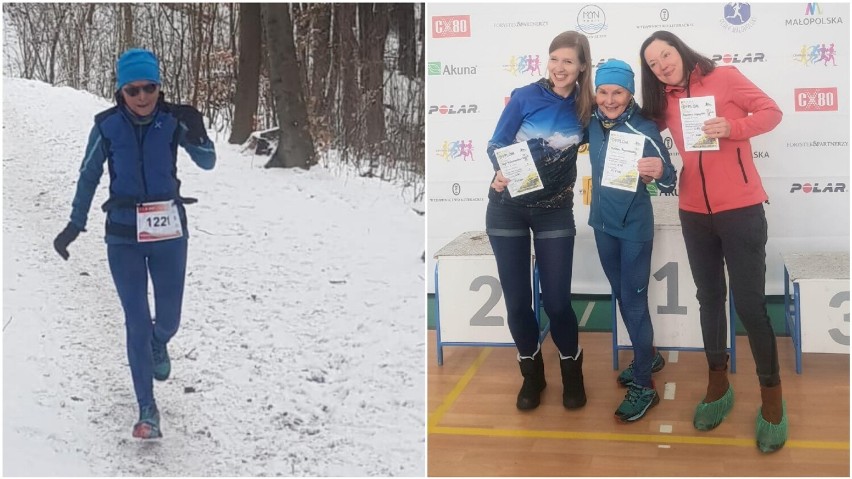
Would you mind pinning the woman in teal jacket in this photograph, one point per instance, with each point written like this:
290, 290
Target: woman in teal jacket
623, 220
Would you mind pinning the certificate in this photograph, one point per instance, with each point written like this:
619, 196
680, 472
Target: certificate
516, 163
693, 113
621, 170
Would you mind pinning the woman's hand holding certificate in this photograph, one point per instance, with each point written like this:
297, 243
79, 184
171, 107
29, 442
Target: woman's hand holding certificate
694, 112
517, 166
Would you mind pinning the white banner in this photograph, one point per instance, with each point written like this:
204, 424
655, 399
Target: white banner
798, 53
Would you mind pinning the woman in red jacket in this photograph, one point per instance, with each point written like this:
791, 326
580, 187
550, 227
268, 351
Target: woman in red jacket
721, 211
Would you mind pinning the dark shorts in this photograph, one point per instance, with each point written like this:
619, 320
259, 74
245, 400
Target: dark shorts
514, 221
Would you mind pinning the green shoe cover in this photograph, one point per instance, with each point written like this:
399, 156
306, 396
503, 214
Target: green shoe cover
710, 415
771, 437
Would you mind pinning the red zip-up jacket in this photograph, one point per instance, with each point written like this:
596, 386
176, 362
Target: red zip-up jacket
716, 181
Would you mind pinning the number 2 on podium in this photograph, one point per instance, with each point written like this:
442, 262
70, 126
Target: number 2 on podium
481, 318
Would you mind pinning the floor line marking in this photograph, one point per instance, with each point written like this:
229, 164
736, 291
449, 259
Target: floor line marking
650, 438
450, 398
673, 356
669, 392
587, 314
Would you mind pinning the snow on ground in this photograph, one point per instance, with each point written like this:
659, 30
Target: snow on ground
302, 331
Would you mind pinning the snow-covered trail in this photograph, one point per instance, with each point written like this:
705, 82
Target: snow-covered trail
301, 350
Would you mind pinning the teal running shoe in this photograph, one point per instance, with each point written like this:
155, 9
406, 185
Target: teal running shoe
148, 426
626, 376
162, 363
636, 403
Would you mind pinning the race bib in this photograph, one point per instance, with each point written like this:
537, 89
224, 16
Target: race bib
157, 221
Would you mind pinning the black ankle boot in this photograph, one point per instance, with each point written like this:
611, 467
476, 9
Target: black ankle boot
573, 392
529, 396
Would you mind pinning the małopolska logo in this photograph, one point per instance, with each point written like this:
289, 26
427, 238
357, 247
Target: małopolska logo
737, 17
451, 26
452, 110
813, 16
733, 58
591, 20
451, 150
520, 64
816, 99
813, 54
438, 68
816, 188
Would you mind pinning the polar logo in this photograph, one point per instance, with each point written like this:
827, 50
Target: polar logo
737, 58
815, 188
451, 109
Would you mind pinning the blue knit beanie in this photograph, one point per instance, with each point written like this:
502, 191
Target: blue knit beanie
615, 72
137, 64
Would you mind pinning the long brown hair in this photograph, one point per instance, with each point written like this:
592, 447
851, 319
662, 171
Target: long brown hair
653, 90
585, 95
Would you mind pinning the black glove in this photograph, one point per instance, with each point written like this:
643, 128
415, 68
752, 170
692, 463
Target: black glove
196, 133
63, 239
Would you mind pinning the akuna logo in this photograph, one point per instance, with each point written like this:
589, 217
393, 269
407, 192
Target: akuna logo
813, 16
451, 26
591, 20
452, 110
451, 150
737, 17
815, 188
437, 68
815, 53
816, 99
521, 64
738, 58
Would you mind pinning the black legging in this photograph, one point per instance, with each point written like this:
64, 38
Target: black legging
555, 258
736, 238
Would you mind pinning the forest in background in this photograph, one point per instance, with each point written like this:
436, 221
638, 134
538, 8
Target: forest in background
317, 78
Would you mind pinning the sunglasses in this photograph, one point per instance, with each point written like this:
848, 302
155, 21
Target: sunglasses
132, 91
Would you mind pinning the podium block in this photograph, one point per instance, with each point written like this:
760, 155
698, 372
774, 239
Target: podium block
816, 300
471, 310
672, 300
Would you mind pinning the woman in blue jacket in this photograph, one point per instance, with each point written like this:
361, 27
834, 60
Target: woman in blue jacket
623, 220
145, 217
550, 117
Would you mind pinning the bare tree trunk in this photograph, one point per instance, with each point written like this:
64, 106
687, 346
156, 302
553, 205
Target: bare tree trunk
373, 19
196, 47
59, 12
320, 50
248, 76
348, 62
127, 37
421, 39
295, 145
407, 35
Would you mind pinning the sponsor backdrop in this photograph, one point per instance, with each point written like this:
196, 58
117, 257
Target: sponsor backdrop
798, 53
